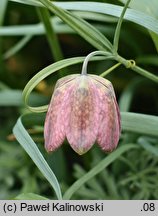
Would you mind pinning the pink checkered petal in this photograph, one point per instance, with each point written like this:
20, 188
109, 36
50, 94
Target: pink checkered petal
54, 132
81, 124
109, 129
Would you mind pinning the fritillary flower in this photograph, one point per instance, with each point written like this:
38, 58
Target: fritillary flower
83, 110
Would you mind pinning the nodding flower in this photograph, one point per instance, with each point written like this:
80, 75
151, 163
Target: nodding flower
83, 110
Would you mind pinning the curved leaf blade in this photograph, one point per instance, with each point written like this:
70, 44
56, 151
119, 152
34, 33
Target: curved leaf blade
30, 147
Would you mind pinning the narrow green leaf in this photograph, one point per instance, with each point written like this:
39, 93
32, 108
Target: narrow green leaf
42, 75
154, 36
30, 147
135, 16
3, 6
10, 97
28, 2
148, 7
139, 123
59, 26
83, 28
17, 47
3, 86
128, 94
50, 33
34, 29
97, 169
30, 196
148, 146
118, 27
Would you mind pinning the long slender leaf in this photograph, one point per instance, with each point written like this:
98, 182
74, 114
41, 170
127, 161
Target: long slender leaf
147, 145
118, 27
127, 95
10, 97
30, 147
148, 7
140, 123
50, 33
3, 6
154, 37
18, 46
135, 16
33, 29
83, 28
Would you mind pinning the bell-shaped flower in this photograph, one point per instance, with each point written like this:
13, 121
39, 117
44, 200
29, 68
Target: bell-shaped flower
83, 110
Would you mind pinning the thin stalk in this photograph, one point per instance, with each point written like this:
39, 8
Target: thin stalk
132, 65
105, 73
118, 27
50, 33
145, 73
88, 57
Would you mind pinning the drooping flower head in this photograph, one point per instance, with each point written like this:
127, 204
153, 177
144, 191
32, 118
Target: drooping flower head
83, 110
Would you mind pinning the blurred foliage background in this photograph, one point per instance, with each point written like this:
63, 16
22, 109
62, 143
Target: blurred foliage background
133, 175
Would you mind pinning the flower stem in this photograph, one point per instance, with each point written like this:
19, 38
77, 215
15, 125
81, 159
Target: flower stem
105, 73
145, 73
88, 57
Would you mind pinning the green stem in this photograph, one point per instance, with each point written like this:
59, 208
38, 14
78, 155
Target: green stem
105, 73
51, 35
131, 64
88, 57
118, 27
145, 73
